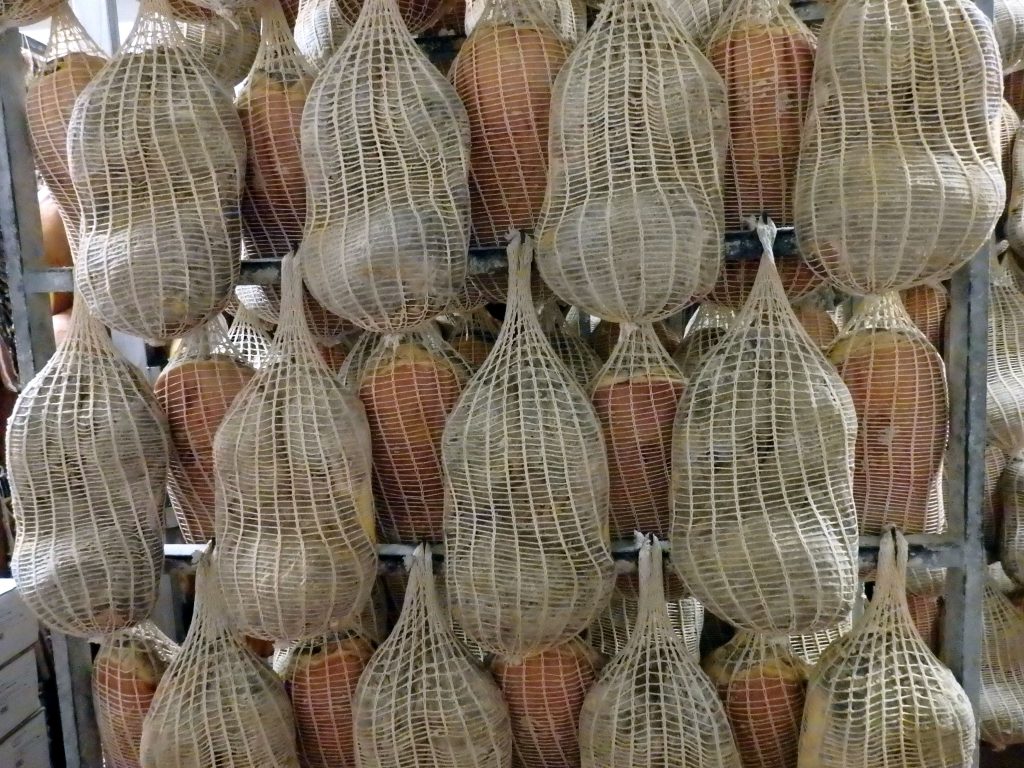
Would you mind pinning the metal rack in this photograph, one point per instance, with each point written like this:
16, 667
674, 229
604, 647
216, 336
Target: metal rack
960, 549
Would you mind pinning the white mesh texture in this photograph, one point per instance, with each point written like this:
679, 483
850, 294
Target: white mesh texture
632, 221
635, 396
295, 534
652, 705
526, 526
87, 451
1005, 390
320, 29
1009, 30
386, 160
320, 676
544, 693
422, 701
902, 108
706, 328
1011, 533
418, 15
125, 676
195, 391
218, 703
473, 336
764, 527
736, 278
576, 355
249, 338
226, 47
810, 646
762, 686
157, 157
927, 304
21, 13
1001, 716
878, 697
818, 323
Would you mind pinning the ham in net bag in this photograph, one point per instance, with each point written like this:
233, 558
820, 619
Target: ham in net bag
225, 46
1001, 715
577, 356
1005, 386
385, 146
422, 701
248, 337
295, 534
878, 697
528, 564
87, 451
764, 529
762, 686
320, 676
1008, 24
218, 704
71, 61
125, 675
1011, 534
635, 395
504, 74
544, 693
157, 158
21, 13
765, 54
652, 705
195, 391
320, 29
632, 221
902, 107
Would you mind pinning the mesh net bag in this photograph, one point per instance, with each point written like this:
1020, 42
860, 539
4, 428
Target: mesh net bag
617, 621
218, 703
632, 221
295, 533
652, 705
504, 74
577, 356
526, 526
1005, 402
418, 15
422, 701
706, 328
226, 46
762, 685
156, 158
87, 451
810, 646
71, 61
320, 676
408, 385
1009, 124
248, 337
1001, 708
926, 614
195, 391
544, 693
898, 384
992, 497
320, 29
473, 336
635, 396
1008, 25
764, 526
125, 676
765, 54
1011, 535
879, 697
904, 98
386, 161
818, 323
927, 304
736, 278
22, 13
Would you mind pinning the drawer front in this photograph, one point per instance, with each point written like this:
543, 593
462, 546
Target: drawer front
27, 747
19, 692
18, 627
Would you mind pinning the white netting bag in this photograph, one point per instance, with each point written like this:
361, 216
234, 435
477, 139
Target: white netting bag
736, 277
927, 304
295, 531
386, 161
524, 445
1008, 25
818, 323
1001, 707
704, 331
321, 676
878, 697
926, 614
422, 701
249, 338
617, 621
320, 29
577, 356
904, 99
125, 674
1005, 390
473, 335
898, 384
418, 15
22, 13
157, 158
765, 55
635, 396
226, 47
544, 693
762, 686
1015, 205
1009, 125
810, 646
1011, 532
764, 528
698, 17
218, 704
632, 221
71, 60
504, 73
195, 391
87, 451
408, 385
992, 498
652, 705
